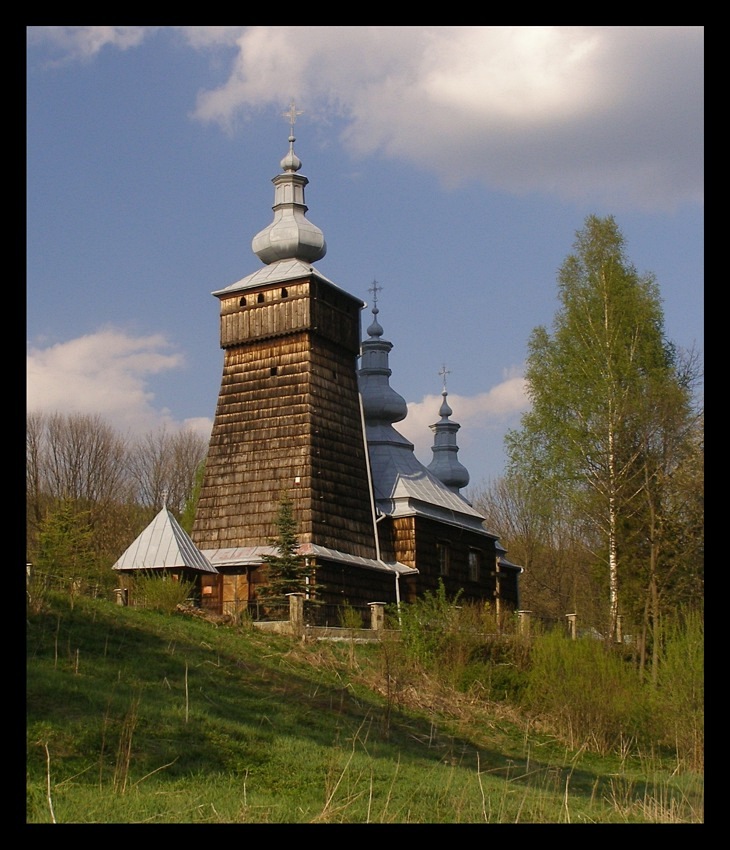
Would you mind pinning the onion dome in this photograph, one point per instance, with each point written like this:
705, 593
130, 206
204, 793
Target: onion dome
445, 465
381, 403
290, 235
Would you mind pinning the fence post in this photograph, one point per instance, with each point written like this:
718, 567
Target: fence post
523, 622
619, 628
377, 616
572, 631
296, 613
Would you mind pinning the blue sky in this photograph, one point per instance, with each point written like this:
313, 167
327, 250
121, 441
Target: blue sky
451, 164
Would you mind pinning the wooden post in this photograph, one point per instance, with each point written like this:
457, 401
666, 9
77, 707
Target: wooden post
523, 620
497, 593
296, 613
572, 625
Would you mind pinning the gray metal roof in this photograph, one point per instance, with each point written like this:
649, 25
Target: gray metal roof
280, 272
275, 273
403, 486
250, 556
164, 545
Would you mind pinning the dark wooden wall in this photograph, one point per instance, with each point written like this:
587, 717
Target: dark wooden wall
414, 541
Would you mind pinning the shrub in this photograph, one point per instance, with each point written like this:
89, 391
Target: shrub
349, 617
586, 691
680, 695
161, 592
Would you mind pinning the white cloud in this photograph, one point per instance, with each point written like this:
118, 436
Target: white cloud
609, 114
83, 43
105, 373
483, 417
613, 114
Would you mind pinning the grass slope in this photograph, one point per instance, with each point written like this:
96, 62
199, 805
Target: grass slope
134, 716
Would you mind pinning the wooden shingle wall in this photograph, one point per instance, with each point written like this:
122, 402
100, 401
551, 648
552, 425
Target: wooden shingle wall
288, 421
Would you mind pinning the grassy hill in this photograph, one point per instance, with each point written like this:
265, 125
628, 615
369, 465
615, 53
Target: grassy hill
135, 716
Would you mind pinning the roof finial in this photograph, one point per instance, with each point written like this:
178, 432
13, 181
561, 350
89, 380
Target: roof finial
374, 288
164, 498
375, 330
444, 372
291, 116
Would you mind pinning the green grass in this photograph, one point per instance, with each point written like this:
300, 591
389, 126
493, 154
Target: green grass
135, 716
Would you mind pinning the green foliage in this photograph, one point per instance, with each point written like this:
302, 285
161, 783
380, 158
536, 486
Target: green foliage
65, 542
586, 691
161, 592
66, 553
610, 414
286, 571
349, 617
462, 645
680, 695
187, 518
134, 717
426, 626
500, 666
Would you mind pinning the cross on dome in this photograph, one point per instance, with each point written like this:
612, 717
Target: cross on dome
291, 116
444, 372
374, 288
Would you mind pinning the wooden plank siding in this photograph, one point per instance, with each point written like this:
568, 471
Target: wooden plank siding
414, 541
358, 586
288, 420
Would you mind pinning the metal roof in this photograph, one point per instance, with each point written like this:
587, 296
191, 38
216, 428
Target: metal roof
243, 556
403, 486
164, 545
280, 272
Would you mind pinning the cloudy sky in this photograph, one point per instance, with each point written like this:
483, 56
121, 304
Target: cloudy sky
453, 165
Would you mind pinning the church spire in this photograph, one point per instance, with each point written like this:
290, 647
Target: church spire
445, 465
290, 236
381, 403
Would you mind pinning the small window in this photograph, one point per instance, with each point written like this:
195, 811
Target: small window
474, 564
284, 292
274, 370
260, 297
444, 555
242, 302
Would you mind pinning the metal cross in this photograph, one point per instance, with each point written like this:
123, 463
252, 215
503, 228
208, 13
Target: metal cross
291, 116
444, 372
374, 288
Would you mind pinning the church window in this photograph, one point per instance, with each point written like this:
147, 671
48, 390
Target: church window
474, 565
444, 554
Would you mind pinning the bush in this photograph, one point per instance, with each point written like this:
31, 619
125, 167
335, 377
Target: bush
160, 592
500, 664
455, 642
587, 692
680, 696
349, 617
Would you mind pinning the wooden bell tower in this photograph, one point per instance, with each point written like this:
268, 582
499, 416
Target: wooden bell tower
288, 418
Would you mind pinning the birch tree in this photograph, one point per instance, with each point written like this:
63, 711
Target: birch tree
595, 385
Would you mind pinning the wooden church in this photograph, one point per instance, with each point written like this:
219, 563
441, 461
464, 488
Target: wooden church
306, 410
297, 415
